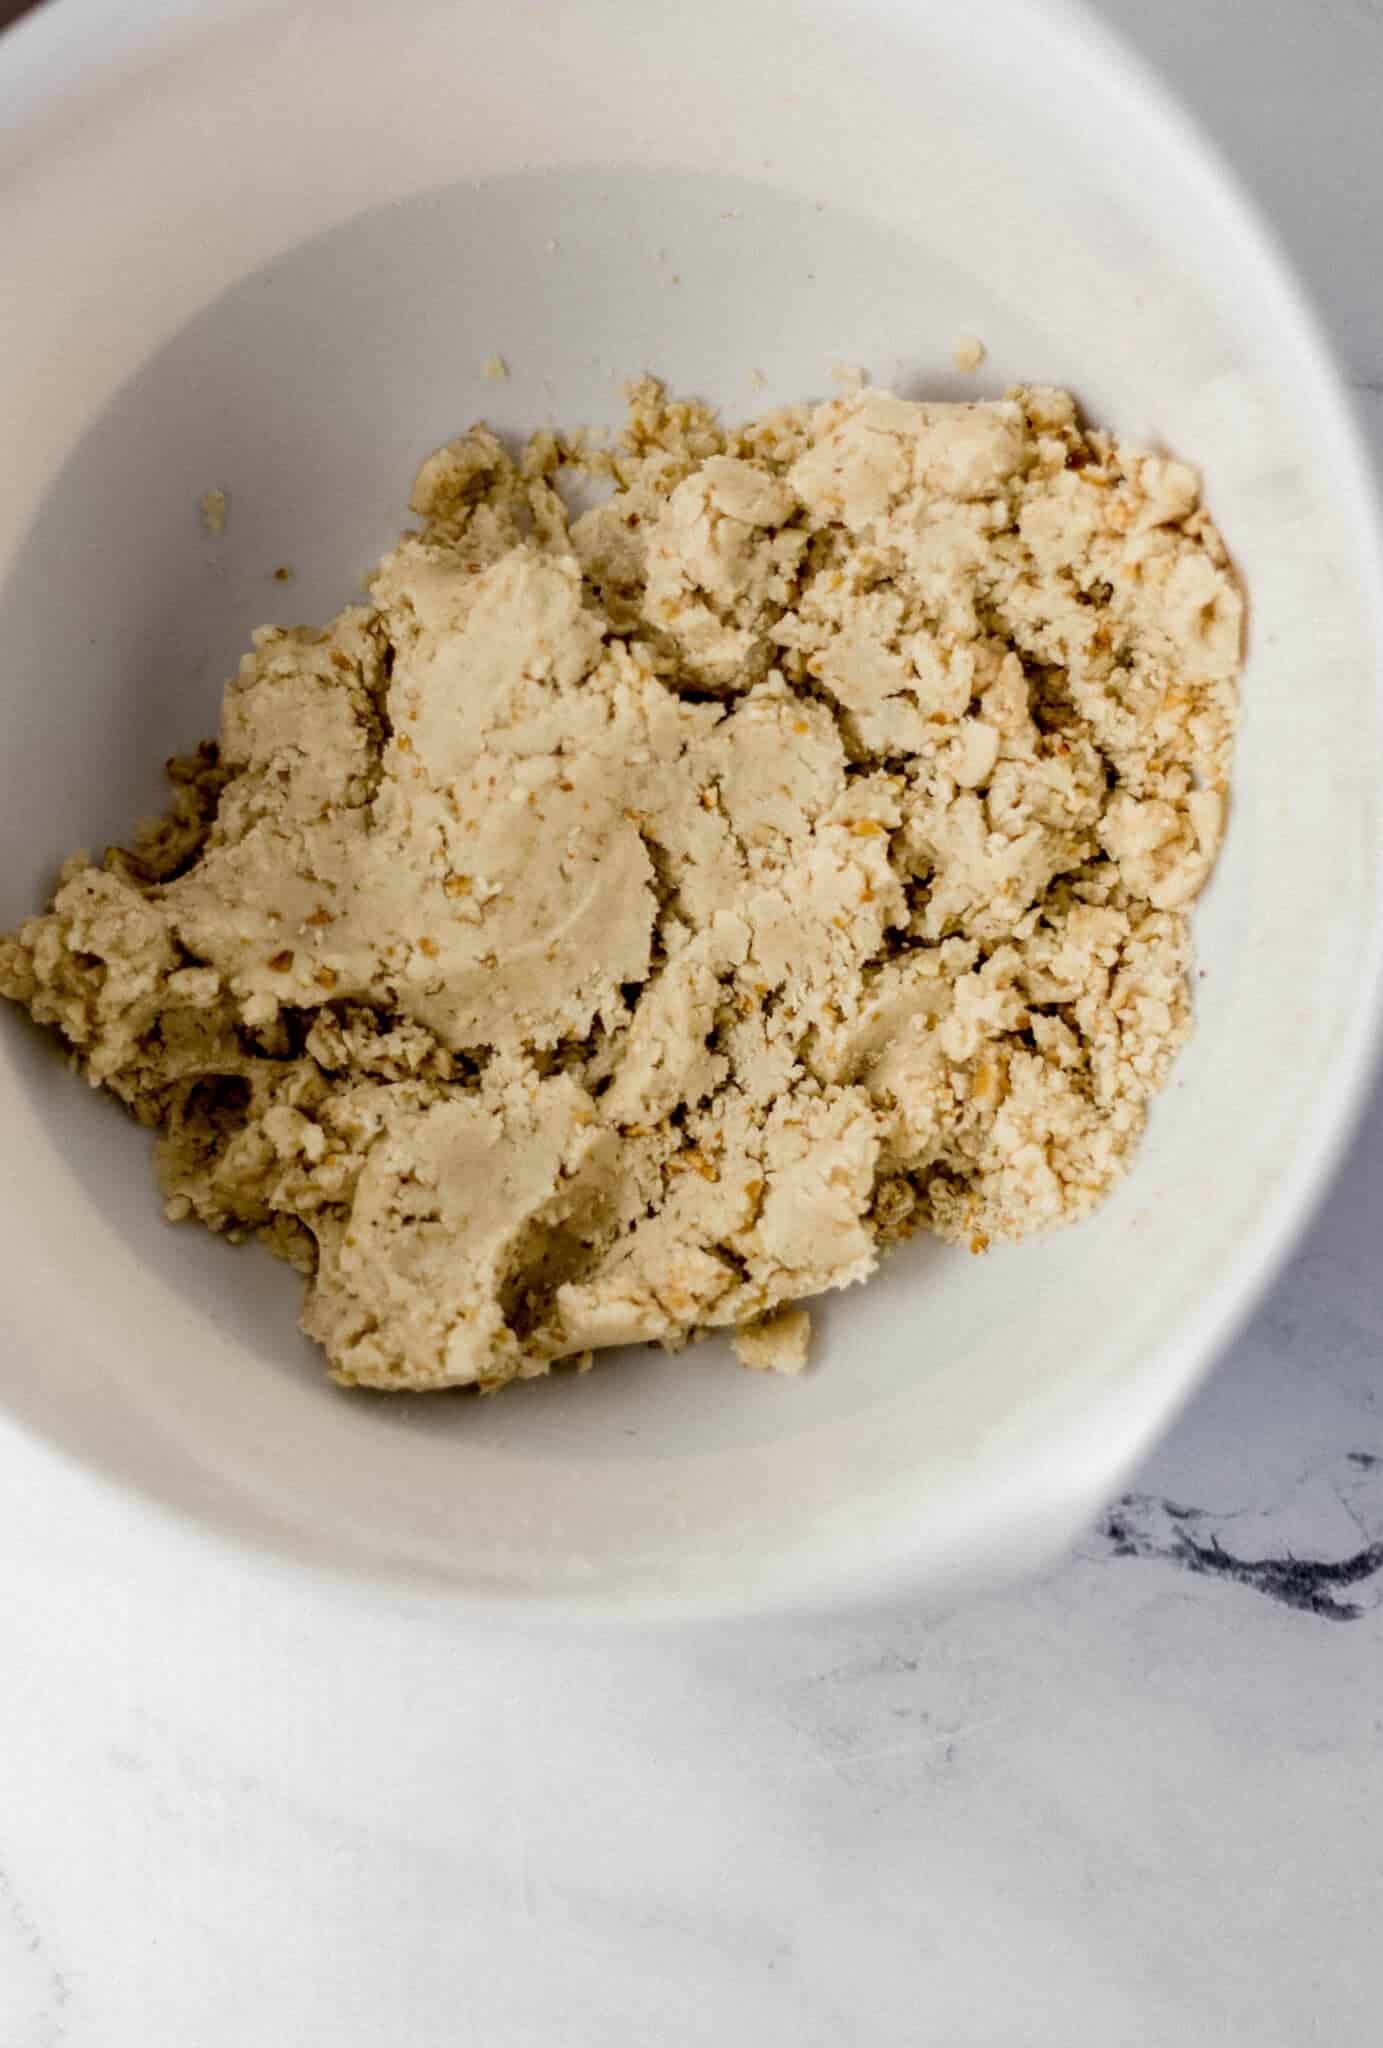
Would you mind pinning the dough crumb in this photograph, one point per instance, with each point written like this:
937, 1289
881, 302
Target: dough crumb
214, 509
629, 923
496, 369
775, 1343
969, 353
284, 573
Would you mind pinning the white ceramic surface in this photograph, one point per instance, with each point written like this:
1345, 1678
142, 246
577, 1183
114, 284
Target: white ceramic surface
269, 248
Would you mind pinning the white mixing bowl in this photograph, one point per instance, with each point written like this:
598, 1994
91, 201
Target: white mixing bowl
269, 247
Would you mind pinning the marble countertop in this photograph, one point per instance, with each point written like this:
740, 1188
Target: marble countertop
1136, 1801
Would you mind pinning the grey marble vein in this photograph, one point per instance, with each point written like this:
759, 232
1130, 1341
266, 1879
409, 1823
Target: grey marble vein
34, 1990
1333, 1585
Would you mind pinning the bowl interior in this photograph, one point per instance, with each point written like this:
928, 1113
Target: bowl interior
297, 322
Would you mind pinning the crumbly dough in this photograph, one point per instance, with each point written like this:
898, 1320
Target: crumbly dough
775, 1343
625, 924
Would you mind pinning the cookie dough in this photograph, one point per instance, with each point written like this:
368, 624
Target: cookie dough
625, 924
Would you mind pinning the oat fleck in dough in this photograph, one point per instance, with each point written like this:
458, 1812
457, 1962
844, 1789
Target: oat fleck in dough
625, 925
